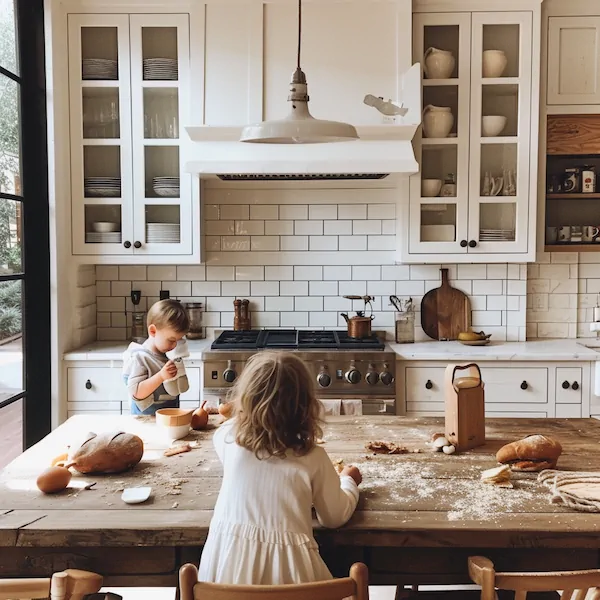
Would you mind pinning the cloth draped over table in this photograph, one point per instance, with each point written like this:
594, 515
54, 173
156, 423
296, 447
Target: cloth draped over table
578, 490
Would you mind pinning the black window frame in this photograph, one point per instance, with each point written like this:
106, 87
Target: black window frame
35, 221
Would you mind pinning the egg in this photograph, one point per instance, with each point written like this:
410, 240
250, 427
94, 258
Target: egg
53, 479
226, 410
200, 418
440, 442
449, 449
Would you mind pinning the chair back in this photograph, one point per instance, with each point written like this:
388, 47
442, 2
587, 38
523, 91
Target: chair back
574, 585
71, 584
356, 586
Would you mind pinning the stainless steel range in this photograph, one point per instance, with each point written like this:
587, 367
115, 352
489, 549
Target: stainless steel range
344, 368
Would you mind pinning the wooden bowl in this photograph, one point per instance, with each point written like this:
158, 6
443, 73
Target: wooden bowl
173, 417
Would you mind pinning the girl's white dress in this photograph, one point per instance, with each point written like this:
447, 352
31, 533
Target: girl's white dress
261, 530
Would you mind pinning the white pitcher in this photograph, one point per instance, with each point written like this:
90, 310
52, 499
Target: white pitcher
494, 63
437, 121
438, 64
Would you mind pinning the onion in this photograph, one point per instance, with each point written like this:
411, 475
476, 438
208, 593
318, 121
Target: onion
226, 410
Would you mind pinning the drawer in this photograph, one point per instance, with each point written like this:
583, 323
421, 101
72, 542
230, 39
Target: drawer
424, 385
104, 384
568, 386
504, 385
568, 411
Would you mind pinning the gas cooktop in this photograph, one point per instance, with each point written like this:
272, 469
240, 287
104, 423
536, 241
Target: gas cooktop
292, 339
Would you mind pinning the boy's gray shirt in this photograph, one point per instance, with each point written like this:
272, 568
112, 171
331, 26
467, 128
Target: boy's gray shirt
141, 363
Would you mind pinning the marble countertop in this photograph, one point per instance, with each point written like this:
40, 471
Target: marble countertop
535, 350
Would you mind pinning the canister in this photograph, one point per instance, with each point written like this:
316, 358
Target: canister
588, 180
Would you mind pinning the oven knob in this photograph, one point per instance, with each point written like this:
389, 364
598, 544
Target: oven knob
353, 375
324, 379
372, 376
386, 378
229, 373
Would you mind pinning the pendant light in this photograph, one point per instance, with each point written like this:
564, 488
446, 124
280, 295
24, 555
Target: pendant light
299, 127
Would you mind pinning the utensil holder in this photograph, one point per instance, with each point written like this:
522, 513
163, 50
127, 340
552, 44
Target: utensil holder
405, 328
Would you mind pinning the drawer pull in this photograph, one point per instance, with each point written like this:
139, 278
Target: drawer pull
88, 385
566, 385
575, 385
429, 385
524, 385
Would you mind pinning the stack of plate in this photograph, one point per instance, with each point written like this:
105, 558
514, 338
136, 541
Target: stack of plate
162, 233
99, 68
102, 187
94, 237
160, 68
167, 187
497, 235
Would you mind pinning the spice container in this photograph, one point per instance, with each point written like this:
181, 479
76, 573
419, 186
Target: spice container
194, 312
449, 188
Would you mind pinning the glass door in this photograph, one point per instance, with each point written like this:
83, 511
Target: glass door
439, 192
160, 87
100, 103
500, 122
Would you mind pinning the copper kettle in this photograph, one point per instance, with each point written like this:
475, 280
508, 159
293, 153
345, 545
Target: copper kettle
359, 326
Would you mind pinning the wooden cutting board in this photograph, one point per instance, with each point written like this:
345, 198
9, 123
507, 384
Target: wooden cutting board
445, 311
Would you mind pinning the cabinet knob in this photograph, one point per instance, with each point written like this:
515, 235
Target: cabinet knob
429, 385
127, 244
565, 385
463, 243
575, 385
472, 244
524, 385
137, 244
88, 385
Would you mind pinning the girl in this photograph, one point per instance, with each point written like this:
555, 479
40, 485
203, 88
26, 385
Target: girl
274, 473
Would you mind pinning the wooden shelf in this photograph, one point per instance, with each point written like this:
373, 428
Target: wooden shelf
591, 247
595, 196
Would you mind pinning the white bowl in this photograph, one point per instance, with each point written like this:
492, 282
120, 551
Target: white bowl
430, 187
492, 125
175, 432
105, 227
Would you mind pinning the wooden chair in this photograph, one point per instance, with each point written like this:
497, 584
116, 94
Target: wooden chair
71, 584
482, 572
356, 586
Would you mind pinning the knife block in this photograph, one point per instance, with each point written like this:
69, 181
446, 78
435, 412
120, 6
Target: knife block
465, 407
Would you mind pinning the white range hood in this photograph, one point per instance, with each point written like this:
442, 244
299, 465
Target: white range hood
380, 151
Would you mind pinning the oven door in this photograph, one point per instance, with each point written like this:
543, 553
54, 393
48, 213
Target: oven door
379, 406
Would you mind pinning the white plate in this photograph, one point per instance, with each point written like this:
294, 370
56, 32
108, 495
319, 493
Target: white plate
136, 495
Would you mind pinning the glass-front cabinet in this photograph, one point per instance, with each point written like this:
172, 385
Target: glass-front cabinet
473, 192
128, 81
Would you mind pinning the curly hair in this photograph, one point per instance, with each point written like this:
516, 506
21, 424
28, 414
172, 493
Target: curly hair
276, 406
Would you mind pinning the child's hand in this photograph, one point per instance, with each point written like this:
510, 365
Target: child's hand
352, 472
168, 371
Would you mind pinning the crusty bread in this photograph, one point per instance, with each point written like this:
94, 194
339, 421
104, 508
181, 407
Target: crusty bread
533, 453
111, 452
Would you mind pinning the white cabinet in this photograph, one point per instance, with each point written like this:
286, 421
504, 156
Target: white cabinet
474, 199
129, 98
574, 60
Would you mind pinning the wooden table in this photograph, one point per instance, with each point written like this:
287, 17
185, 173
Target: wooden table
419, 517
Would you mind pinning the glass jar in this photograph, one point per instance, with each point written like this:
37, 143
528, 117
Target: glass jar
405, 327
194, 311
139, 331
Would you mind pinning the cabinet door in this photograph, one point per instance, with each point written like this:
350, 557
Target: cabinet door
573, 60
501, 75
100, 101
568, 386
438, 216
162, 192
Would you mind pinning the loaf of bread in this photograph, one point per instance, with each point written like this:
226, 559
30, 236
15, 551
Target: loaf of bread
533, 453
111, 452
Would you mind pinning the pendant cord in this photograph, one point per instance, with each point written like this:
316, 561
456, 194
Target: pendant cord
299, 30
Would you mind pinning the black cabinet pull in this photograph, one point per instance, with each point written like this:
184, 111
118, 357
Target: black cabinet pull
524, 385
463, 243
429, 385
565, 385
575, 385
88, 385
472, 244
137, 244
127, 244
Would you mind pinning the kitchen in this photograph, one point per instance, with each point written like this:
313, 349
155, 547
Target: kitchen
475, 191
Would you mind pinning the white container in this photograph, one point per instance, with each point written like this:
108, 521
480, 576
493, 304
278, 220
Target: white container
105, 227
492, 125
174, 422
437, 121
494, 62
175, 432
430, 187
438, 233
438, 64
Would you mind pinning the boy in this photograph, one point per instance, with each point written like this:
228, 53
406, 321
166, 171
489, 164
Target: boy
146, 368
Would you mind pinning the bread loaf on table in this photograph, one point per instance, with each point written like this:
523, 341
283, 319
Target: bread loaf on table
111, 452
533, 453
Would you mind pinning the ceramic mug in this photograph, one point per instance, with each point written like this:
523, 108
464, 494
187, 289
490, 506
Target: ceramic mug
551, 235
590, 233
564, 233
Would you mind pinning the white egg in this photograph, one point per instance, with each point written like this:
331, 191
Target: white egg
449, 449
440, 442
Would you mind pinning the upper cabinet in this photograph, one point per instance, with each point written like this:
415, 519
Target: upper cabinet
129, 95
474, 199
574, 60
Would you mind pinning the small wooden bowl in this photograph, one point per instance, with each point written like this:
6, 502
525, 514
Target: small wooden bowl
173, 417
